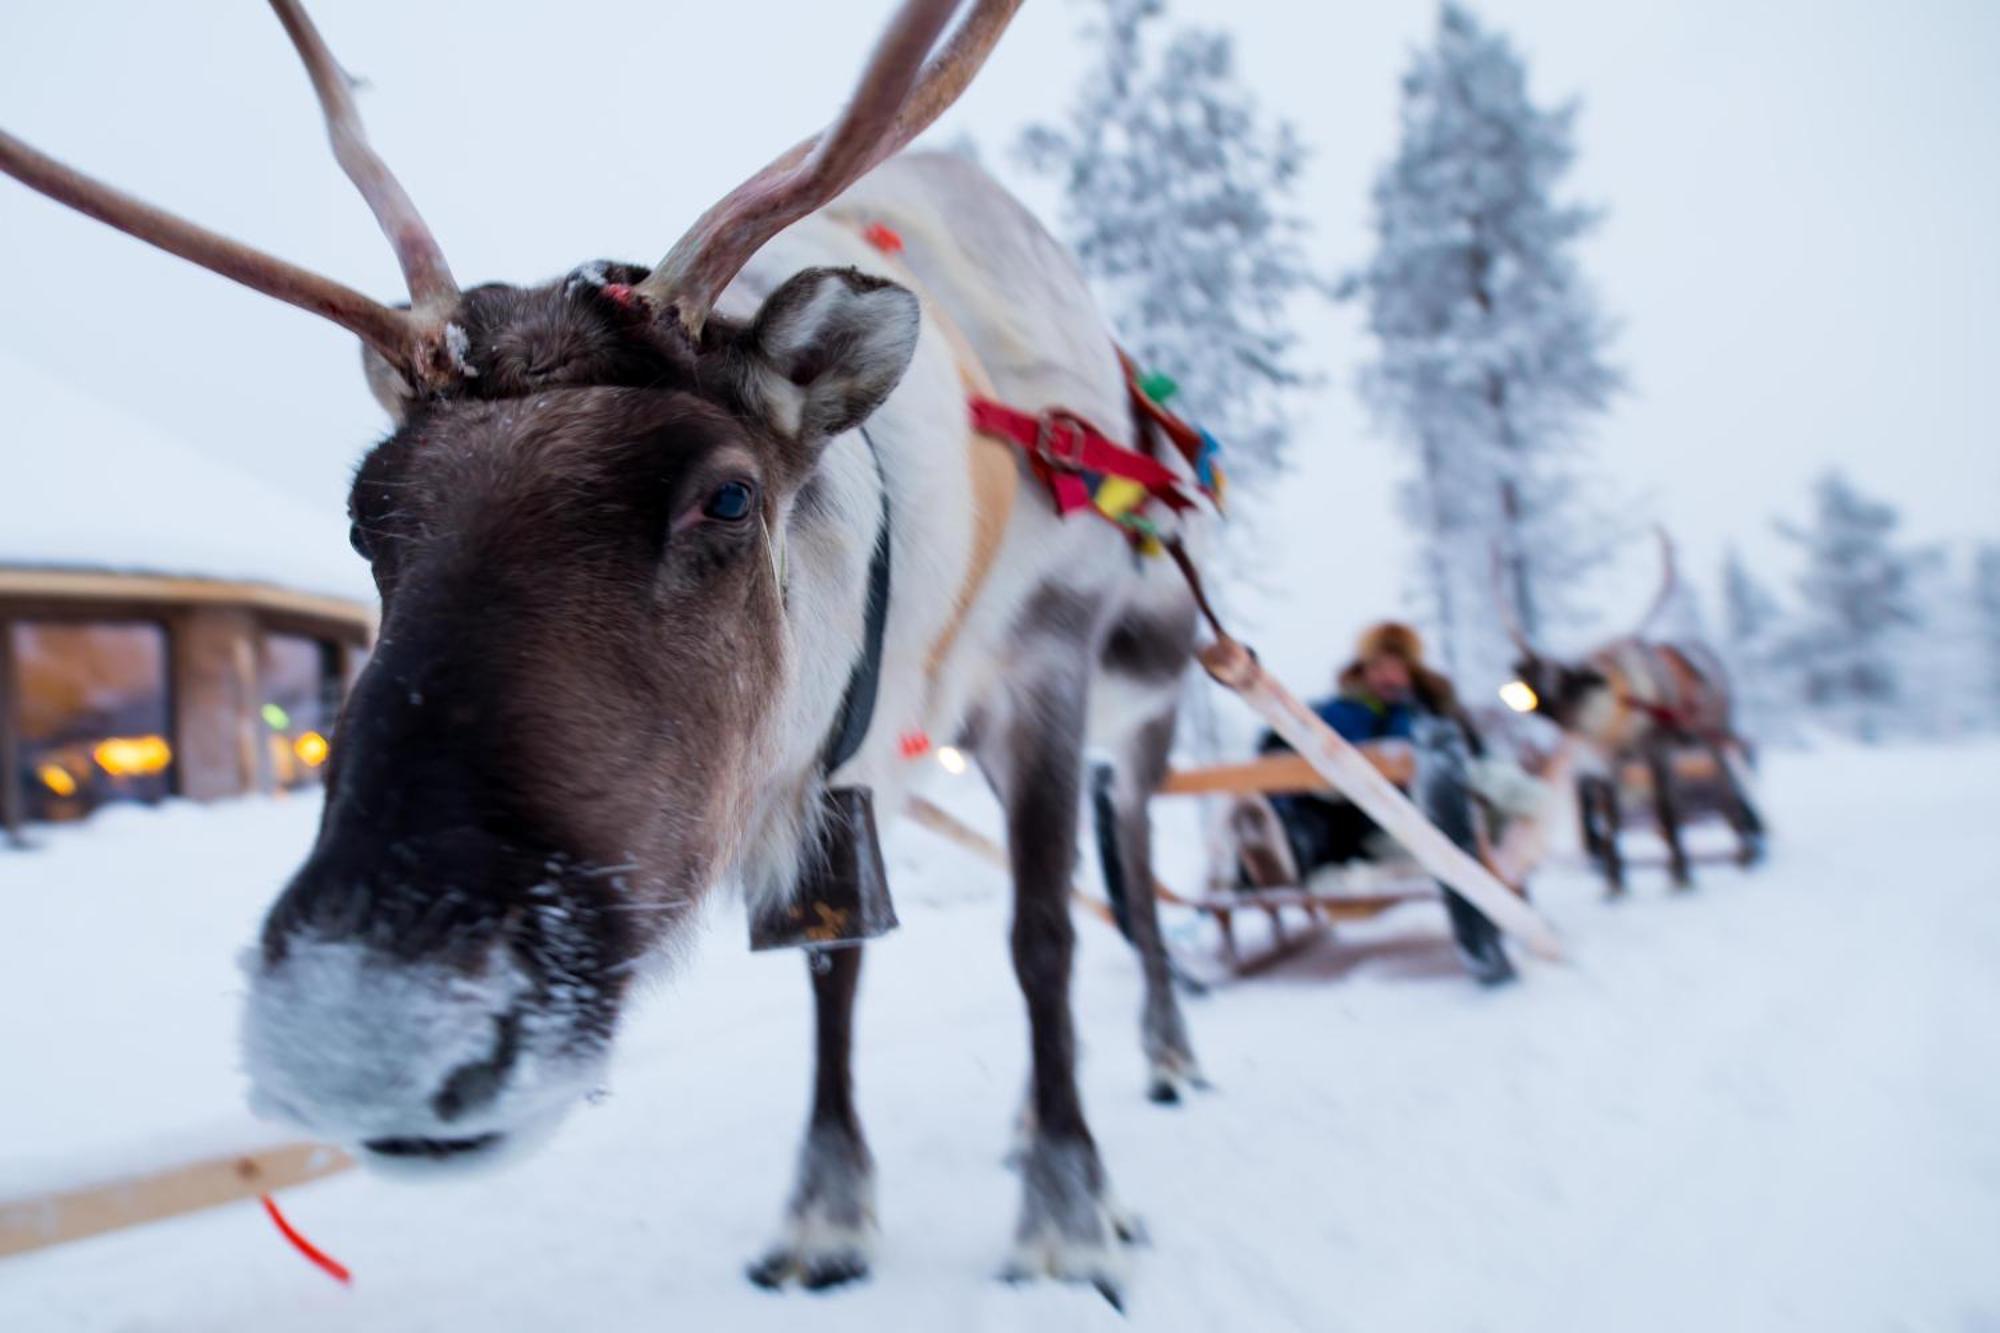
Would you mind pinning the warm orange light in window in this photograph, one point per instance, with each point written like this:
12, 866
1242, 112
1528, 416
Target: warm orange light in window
311, 748
57, 779
133, 756
1519, 696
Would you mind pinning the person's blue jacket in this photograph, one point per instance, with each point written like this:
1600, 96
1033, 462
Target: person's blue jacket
1359, 717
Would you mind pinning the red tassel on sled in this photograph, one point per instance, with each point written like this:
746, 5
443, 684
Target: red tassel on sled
331, 1266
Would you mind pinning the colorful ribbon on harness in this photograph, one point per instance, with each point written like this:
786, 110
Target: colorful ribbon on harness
1085, 469
1082, 467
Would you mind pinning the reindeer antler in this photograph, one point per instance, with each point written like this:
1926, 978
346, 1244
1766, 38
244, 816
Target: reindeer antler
891, 106
1510, 615
1669, 581
431, 287
413, 341
390, 332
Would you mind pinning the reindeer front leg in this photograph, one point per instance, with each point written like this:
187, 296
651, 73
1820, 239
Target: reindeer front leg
1738, 808
1597, 799
1667, 812
1067, 1227
830, 1221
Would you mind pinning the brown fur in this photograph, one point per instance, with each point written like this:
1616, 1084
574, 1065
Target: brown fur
574, 658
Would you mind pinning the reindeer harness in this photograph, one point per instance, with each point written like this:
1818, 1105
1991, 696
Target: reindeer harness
843, 898
1667, 685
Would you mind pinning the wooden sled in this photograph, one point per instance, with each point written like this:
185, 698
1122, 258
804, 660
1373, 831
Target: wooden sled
1339, 895
1609, 808
1326, 900
1332, 895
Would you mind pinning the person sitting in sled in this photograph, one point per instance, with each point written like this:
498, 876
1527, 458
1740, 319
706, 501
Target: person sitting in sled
1387, 699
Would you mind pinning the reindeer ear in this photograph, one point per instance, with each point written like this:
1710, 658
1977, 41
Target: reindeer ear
387, 384
827, 349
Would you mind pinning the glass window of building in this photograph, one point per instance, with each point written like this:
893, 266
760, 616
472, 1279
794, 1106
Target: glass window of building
300, 698
95, 715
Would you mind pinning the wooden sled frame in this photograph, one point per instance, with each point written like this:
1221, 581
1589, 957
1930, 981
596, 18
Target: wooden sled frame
1329, 897
1608, 806
1379, 886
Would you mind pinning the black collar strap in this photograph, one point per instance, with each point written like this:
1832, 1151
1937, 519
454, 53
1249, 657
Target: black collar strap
857, 705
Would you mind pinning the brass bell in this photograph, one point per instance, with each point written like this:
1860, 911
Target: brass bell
843, 892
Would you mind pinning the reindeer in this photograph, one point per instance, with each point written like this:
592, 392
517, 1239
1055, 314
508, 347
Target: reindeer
1640, 699
632, 532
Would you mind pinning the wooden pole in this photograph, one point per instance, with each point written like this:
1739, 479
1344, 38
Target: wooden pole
52, 1219
13, 801
1279, 773
953, 829
1343, 765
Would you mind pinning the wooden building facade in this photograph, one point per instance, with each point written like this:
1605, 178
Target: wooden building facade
170, 626
140, 687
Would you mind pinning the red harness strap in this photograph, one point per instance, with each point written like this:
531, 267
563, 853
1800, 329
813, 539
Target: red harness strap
1660, 713
1688, 687
1062, 447
1686, 719
1078, 462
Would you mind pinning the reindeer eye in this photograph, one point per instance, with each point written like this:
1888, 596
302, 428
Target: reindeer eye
731, 502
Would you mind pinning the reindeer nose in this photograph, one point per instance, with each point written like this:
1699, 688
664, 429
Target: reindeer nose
361, 1044
433, 1150
470, 1088
475, 1085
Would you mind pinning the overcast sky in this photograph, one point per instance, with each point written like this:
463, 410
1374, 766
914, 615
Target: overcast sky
1803, 200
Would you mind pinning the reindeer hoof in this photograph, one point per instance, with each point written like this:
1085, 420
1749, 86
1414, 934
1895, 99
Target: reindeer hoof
1113, 1294
814, 1270
1130, 1229
820, 1274
817, 1253
1071, 1230
1171, 1076
1099, 1271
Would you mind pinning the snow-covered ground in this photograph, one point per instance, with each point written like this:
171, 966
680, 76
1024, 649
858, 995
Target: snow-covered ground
1773, 1103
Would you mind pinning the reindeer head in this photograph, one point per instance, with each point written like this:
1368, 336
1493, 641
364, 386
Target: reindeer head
561, 727
574, 530
1580, 697
1564, 692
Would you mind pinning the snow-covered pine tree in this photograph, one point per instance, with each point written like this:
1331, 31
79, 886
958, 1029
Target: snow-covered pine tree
1858, 596
1940, 662
1176, 200
1751, 614
1986, 614
1753, 628
1491, 347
